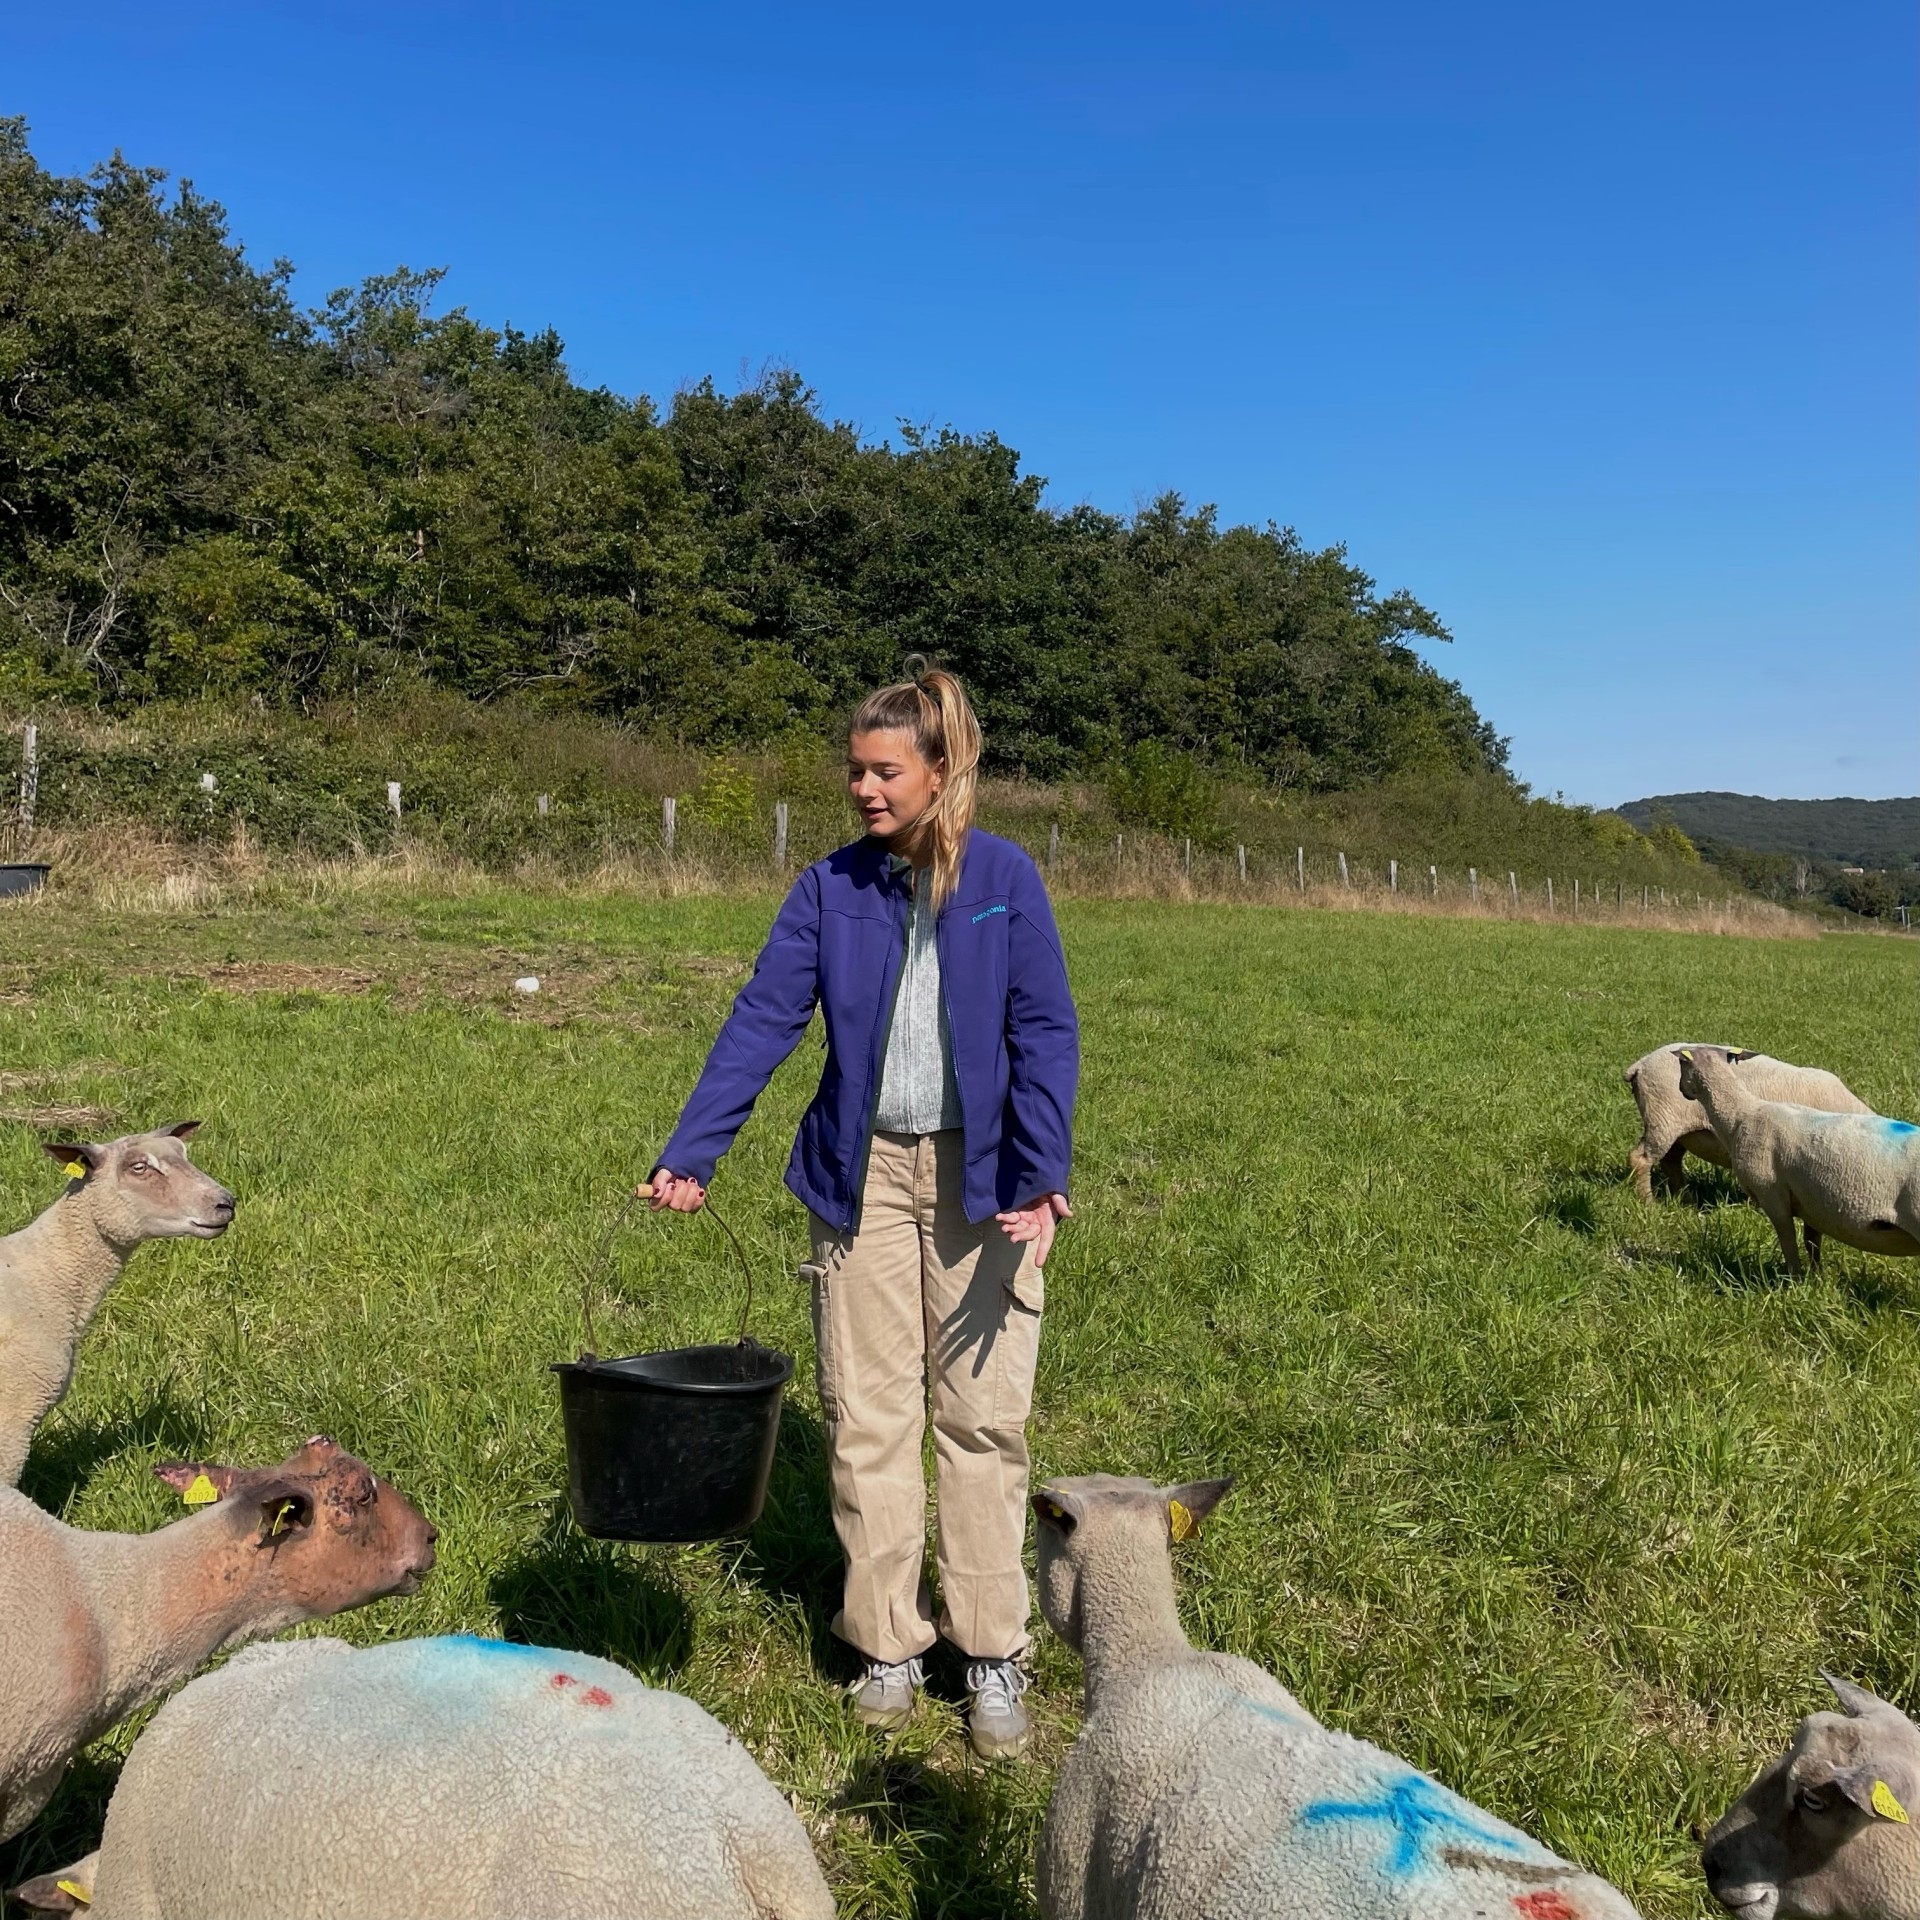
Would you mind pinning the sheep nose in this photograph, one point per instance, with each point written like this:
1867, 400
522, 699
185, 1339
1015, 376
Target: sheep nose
223, 1207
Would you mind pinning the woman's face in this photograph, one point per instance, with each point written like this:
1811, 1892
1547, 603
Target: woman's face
890, 783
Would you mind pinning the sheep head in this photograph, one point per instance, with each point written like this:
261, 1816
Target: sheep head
313, 1536
1696, 1061
143, 1187
1827, 1830
1106, 1517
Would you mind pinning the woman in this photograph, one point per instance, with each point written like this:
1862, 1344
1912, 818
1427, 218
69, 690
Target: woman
933, 1162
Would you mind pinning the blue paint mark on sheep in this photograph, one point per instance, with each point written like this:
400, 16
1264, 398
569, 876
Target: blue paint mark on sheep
1419, 1815
1898, 1128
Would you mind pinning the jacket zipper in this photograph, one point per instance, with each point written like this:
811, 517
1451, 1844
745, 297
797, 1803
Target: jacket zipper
875, 1067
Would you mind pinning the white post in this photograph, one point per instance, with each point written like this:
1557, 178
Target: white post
1576, 896
1346, 879
1663, 896
1473, 885
540, 806
1393, 876
1433, 874
1243, 866
1186, 860
1549, 896
29, 781
1643, 899
779, 833
1513, 887
1053, 845
1300, 867
393, 798
669, 809
1118, 840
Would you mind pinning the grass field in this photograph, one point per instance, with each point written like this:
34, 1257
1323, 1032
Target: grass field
1562, 1498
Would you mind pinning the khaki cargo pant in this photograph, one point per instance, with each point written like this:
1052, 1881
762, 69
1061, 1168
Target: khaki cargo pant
916, 1296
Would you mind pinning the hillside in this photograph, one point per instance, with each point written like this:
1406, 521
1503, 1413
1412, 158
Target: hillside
1860, 833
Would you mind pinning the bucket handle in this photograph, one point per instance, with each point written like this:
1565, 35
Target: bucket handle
603, 1257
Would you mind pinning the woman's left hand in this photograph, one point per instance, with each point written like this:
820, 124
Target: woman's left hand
1036, 1223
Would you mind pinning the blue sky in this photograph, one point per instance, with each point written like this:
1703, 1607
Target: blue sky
1593, 328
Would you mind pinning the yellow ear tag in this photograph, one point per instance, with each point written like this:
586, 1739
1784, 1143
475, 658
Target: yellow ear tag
1180, 1520
75, 1170
200, 1492
1886, 1805
75, 1891
280, 1519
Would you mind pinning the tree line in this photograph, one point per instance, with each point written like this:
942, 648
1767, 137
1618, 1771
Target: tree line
207, 491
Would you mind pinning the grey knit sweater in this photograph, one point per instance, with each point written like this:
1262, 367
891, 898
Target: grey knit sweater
918, 1093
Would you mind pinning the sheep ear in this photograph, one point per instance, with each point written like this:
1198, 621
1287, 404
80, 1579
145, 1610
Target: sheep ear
1188, 1506
1856, 1700
75, 1153
1868, 1789
1736, 1054
284, 1508
1684, 1053
1056, 1507
181, 1129
66, 1890
197, 1485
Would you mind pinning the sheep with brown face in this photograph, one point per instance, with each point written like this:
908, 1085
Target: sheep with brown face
95, 1625
56, 1270
1827, 1831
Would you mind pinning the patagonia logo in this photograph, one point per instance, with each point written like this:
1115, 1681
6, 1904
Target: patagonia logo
987, 913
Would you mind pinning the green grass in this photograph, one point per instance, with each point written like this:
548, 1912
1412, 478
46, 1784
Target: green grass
1562, 1498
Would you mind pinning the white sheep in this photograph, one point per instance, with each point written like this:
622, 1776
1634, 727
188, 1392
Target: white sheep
1200, 1789
1828, 1827
1853, 1175
95, 1625
447, 1779
56, 1270
1672, 1126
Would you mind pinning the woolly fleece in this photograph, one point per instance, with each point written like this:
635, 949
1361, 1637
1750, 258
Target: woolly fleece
447, 1779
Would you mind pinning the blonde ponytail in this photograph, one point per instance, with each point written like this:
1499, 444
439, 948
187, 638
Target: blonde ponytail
933, 709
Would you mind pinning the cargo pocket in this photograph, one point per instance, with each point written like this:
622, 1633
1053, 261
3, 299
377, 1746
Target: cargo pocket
1029, 1287
818, 1275
1017, 1349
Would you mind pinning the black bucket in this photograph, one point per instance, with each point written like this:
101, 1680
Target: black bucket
22, 876
676, 1446
673, 1446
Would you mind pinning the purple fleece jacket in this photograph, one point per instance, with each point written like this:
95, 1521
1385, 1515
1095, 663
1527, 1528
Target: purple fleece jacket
838, 944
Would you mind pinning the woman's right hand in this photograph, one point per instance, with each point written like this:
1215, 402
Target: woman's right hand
681, 1193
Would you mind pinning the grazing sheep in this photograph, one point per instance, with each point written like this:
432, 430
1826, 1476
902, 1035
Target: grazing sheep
94, 1625
1853, 1175
447, 1779
56, 1270
1672, 1126
1200, 1789
1827, 1829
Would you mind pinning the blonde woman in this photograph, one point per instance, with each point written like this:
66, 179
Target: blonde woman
933, 1162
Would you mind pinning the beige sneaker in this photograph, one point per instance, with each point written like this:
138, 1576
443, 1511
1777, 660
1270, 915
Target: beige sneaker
997, 1723
885, 1696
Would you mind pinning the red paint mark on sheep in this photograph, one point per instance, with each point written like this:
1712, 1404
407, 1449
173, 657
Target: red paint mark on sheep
565, 1680
1546, 1905
597, 1697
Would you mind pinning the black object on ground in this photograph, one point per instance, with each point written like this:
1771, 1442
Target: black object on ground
22, 876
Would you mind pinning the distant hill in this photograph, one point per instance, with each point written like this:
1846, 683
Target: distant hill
1860, 833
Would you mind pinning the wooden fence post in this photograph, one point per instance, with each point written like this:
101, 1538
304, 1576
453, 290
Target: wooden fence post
1186, 860
1300, 867
669, 809
1053, 845
29, 781
1433, 874
1243, 866
1576, 896
1513, 887
393, 798
1549, 896
1393, 876
540, 805
1473, 885
1346, 879
780, 834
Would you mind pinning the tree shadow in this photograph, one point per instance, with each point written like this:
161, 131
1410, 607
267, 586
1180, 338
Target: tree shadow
595, 1596
793, 1552
70, 1827
68, 1450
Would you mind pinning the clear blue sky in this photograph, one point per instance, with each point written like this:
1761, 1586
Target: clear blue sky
1594, 327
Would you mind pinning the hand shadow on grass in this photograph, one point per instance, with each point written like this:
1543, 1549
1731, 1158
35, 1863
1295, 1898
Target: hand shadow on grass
792, 1552
593, 1596
69, 1829
68, 1450
962, 1836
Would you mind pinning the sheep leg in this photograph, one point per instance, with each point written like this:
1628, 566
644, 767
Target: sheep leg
1673, 1164
1813, 1246
1789, 1242
1641, 1161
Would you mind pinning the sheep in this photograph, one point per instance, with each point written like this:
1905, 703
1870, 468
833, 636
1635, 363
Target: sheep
95, 1625
1827, 1827
56, 1270
1200, 1789
1853, 1175
1672, 1126
447, 1779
